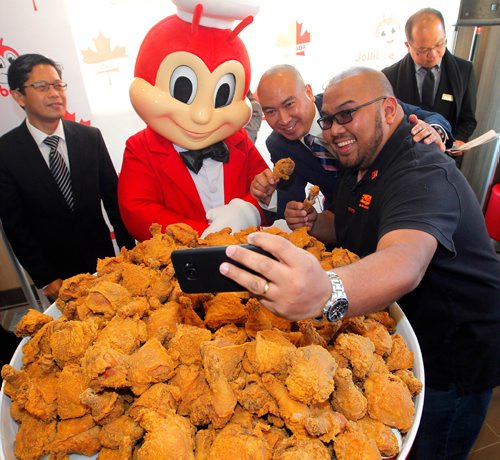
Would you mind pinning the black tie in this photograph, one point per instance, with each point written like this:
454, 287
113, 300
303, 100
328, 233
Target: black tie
59, 170
194, 158
428, 89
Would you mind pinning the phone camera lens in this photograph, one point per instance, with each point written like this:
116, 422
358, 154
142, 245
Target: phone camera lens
191, 272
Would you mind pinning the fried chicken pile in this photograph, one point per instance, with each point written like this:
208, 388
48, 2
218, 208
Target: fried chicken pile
136, 369
283, 168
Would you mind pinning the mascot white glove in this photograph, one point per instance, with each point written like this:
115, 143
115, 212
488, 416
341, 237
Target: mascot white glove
237, 214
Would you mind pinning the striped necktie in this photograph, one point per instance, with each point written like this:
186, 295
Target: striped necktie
59, 170
320, 152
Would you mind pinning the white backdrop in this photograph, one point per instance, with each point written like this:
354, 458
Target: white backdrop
96, 42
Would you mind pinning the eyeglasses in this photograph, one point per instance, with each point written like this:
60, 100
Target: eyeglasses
438, 47
344, 116
44, 86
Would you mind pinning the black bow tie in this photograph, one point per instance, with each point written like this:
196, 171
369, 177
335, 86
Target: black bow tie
194, 158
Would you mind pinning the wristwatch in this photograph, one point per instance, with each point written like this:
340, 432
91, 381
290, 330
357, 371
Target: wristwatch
336, 307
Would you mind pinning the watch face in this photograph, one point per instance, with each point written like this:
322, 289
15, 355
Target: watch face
337, 311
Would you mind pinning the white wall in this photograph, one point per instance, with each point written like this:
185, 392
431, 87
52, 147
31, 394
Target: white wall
97, 41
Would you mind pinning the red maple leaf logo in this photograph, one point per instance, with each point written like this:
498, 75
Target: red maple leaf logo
72, 117
302, 38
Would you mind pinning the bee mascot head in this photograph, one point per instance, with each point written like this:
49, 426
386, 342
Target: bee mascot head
192, 74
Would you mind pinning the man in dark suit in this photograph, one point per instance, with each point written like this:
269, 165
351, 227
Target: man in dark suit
291, 109
50, 194
451, 80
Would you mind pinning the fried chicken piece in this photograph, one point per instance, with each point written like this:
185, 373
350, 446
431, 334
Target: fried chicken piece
104, 298
347, 397
310, 335
163, 398
375, 331
31, 323
116, 454
256, 320
187, 343
311, 198
229, 354
283, 168
301, 238
324, 422
311, 372
379, 365
242, 437
141, 280
70, 384
389, 400
138, 307
340, 359
353, 443
170, 436
71, 340
221, 238
34, 438
121, 433
270, 352
203, 442
123, 334
256, 399
155, 252
225, 308
414, 385
162, 323
400, 357
39, 345
241, 236
384, 318
301, 448
223, 399
105, 406
152, 363
41, 397
195, 393
76, 286
358, 350
292, 412
386, 440
231, 333
76, 435
105, 367
189, 315
183, 235
341, 257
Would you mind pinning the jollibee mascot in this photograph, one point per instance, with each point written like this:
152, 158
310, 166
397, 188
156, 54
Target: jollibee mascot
194, 162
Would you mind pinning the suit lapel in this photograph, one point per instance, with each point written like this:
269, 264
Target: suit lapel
171, 165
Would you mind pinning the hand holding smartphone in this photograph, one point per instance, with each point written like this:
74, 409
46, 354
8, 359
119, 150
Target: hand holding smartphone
197, 269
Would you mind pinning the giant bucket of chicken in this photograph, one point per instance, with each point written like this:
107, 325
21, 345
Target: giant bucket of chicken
128, 366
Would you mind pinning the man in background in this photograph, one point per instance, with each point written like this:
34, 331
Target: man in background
433, 78
54, 174
291, 109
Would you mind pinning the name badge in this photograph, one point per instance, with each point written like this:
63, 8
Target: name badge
447, 97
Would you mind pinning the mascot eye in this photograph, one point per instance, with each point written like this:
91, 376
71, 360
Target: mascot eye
224, 91
10, 56
183, 84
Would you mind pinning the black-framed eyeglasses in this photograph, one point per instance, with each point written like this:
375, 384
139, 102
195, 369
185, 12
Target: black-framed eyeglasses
344, 116
44, 86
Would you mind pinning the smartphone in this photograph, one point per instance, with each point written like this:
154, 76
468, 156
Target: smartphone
197, 269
